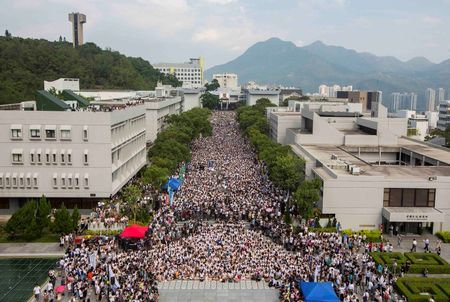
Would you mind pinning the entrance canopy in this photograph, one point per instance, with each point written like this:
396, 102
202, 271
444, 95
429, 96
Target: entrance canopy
318, 292
412, 214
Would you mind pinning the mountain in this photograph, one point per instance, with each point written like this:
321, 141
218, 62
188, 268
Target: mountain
281, 62
26, 63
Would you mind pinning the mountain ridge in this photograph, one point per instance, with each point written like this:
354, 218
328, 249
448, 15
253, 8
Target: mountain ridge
275, 61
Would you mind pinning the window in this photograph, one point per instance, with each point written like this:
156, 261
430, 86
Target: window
69, 157
63, 157
32, 156
65, 133
1, 180
86, 180
50, 132
69, 181
63, 180
21, 181
55, 180
17, 158
14, 181
409, 197
85, 157
39, 156
7, 181
85, 133
47, 156
35, 132
16, 132
77, 180
54, 159
28, 180
35, 180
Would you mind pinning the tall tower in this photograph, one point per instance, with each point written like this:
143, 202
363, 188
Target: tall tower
77, 20
430, 98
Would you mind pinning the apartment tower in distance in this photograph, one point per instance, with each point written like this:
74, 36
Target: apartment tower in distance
77, 20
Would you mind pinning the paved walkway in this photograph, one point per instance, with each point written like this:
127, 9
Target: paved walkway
193, 291
30, 250
405, 245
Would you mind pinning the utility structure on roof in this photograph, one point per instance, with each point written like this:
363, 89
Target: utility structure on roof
77, 20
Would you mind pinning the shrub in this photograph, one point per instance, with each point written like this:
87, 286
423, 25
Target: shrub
419, 261
414, 289
105, 233
444, 236
371, 235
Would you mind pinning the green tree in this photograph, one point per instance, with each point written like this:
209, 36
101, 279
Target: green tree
171, 149
156, 176
287, 172
7, 34
214, 85
210, 100
164, 162
76, 216
131, 196
306, 195
43, 213
19, 223
63, 221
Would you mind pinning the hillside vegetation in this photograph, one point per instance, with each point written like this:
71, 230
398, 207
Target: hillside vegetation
26, 63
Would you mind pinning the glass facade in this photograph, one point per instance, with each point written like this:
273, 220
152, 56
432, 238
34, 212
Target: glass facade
402, 197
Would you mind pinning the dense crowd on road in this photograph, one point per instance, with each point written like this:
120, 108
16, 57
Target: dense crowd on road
226, 224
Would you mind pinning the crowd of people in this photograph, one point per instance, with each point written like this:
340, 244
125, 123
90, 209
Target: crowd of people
226, 224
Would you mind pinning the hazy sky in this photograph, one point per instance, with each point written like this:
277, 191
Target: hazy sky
220, 30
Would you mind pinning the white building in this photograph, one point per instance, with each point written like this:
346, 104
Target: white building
432, 117
190, 73
167, 102
191, 97
63, 84
430, 98
75, 157
227, 80
444, 115
371, 173
440, 95
252, 95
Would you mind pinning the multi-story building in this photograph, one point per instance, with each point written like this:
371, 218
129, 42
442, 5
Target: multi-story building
440, 95
430, 98
190, 73
403, 101
63, 84
75, 157
77, 20
444, 115
227, 80
366, 98
250, 96
372, 174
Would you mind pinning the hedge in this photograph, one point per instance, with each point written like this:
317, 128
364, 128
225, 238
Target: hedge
371, 235
419, 261
413, 289
444, 236
104, 232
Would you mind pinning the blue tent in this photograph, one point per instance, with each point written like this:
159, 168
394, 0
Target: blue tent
173, 183
318, 292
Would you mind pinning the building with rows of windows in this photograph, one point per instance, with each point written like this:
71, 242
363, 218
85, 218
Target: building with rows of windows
372, 174
75, 157
190, 73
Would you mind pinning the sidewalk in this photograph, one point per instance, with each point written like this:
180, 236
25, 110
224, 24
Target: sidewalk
407, 240
30, 250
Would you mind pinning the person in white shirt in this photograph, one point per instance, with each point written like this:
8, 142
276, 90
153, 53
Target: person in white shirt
37, 292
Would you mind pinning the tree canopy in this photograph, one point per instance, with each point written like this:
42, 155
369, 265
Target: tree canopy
214, 85
26, 63
210, 100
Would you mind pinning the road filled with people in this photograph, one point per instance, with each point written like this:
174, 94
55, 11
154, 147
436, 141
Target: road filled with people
226, 224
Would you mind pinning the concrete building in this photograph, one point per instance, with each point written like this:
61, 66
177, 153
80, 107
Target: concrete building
430, 99
63, 84
372, 174
167, 101
77, 20
227, 80
190, 73
432, 117
252, 95
366, 98
440, 95
403, 101
290, 93
444, 115
75, 157
191, 97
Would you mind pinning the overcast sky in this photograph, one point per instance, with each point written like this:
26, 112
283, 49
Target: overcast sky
220, 30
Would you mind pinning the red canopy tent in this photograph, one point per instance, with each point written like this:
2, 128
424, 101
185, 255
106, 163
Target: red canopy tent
134, 231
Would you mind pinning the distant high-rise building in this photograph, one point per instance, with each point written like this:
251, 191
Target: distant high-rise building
441, 95
227, 80
323, 90
444, 115
190, 73
430, 98
407, 101
395, 101
77, 20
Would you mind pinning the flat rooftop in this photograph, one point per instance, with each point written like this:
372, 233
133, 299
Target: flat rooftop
323, 154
